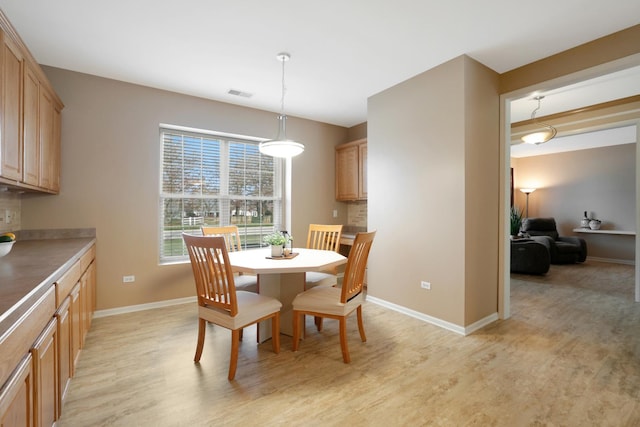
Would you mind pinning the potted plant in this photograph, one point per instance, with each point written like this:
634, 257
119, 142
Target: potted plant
516, 221
277, 241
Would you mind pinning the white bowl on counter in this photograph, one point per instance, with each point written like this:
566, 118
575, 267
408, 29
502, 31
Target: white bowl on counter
5, 248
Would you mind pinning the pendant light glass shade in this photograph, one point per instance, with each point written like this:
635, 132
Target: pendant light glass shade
541, 136
281, 146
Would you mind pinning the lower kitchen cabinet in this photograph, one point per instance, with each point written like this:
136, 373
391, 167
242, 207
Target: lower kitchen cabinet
16, 396
45, 373
38, 354
63, 320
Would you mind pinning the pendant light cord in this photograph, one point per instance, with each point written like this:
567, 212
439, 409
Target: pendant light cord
533, 113
283, 89
284, 57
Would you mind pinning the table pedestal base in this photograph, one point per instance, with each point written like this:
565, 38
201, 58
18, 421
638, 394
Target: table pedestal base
284, 287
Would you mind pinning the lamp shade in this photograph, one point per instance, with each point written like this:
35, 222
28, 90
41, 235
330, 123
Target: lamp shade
284, 149
539, 137
281, 146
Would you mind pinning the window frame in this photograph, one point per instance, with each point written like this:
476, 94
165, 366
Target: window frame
223, 198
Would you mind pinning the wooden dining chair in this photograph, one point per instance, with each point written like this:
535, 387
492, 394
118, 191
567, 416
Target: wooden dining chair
337, 303
218, 300
231, 235
324, 237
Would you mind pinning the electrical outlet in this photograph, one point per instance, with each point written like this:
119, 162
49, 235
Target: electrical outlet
128, 279
335, 213
7, 216
425, 285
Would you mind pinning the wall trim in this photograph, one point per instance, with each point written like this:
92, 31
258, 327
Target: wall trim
142, 307
434, 320
481, 323
400, 309
612, 260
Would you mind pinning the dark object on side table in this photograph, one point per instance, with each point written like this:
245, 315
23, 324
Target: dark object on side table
529, 256
563, 249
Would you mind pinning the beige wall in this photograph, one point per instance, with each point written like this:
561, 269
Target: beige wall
110, 174
599, 180
433, 192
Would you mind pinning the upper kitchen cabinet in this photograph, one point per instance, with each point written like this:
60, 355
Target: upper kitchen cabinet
30, 119
11, 110
351, 171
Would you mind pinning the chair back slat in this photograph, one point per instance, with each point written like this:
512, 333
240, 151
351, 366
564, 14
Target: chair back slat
212, 272
230, 234
356, 266
324, 237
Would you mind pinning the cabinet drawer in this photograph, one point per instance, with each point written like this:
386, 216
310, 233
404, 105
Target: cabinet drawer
67, 282
87, 258
17, 341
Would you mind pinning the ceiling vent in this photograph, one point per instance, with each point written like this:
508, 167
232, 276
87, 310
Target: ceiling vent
240, 93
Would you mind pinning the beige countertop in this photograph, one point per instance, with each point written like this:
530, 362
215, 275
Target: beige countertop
347, 239
31, 268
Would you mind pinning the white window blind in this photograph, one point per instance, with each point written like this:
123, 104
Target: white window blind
209, 179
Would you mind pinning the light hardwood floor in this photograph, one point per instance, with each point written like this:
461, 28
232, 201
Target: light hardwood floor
568, 356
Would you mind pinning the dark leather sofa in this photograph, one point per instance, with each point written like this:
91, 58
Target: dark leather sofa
562, 249
529, 256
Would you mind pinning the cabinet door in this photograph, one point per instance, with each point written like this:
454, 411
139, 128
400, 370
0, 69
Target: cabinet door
31, 166
84, 305
64, 351
11, 111
90, 292
347, 173
46, 138
54, 161
76, 327
362, 171
16, 397
45, 374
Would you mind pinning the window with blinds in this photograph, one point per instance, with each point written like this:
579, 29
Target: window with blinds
213, 179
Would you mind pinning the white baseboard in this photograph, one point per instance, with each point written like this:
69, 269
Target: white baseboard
434, 320
142, 307
412, 313
612, 260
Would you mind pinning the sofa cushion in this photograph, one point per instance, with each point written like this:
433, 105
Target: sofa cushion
529, 257
540, 227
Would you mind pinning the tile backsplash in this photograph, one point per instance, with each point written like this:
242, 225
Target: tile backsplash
357, 214
9, 202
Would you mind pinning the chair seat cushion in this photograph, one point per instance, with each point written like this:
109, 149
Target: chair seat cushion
246, 282
251, 306
326, 299
317, 278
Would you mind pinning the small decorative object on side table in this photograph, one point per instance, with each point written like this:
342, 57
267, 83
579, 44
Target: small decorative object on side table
595, 224
584, 222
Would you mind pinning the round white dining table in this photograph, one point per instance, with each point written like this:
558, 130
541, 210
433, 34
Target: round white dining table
282, 279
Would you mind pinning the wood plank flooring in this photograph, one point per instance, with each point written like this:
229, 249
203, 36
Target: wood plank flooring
568, 356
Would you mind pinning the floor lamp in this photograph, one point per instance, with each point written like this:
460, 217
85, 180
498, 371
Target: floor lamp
527, 191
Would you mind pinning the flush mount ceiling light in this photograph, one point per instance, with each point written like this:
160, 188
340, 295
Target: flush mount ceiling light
540, 136
281, 146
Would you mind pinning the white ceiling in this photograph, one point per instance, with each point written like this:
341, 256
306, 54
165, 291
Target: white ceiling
342, 51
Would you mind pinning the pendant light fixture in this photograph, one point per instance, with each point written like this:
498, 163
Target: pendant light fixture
541, 136
281, 146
